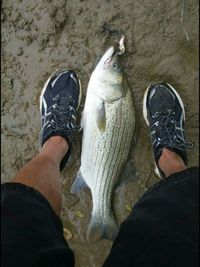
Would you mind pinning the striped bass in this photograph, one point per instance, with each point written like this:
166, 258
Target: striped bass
108, 127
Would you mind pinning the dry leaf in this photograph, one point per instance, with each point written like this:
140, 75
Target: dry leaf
67, 234
128, 207
79, 214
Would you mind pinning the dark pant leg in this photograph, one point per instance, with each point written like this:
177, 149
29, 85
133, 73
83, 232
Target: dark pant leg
163, 228
31, 233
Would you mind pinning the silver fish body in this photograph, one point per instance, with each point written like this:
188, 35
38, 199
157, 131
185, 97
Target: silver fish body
108, 128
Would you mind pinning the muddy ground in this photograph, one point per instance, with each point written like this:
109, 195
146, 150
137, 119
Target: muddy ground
40, 36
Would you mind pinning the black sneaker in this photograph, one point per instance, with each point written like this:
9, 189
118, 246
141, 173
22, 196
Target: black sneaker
59, 101
164, 113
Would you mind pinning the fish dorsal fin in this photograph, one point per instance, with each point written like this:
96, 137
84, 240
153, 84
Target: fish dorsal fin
78, 184
101, 116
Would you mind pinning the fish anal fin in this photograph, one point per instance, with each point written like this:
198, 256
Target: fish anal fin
78, 184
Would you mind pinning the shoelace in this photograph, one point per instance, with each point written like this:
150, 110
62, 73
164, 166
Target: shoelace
168, 132
61, 115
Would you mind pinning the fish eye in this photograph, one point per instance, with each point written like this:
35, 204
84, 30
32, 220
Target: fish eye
116, 66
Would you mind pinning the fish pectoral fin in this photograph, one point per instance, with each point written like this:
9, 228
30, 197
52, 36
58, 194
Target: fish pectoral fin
78, 184
101, 117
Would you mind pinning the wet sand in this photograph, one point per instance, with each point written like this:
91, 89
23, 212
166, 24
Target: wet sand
40, 36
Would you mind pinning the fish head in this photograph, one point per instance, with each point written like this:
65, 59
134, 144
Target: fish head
109, 76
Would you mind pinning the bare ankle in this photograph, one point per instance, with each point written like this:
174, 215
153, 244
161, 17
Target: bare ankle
170, 162
56, 146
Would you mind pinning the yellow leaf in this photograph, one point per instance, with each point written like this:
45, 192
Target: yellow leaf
67, 234
128, 207
79, 214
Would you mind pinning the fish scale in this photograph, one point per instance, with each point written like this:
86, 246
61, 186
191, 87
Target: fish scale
110, 161
111, 170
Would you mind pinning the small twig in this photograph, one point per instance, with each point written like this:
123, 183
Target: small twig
186, 34
182, 20
182, 10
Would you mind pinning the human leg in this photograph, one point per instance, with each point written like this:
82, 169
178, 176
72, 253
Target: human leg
32, 232
162, 229
170, 162
59, 101
43, 171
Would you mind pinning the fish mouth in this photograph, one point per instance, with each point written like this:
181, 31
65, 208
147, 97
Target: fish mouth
112, 52
107, 57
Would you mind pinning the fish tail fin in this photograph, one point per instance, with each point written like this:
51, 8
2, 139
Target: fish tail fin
102, 228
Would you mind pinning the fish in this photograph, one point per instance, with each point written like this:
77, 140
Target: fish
108, 122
